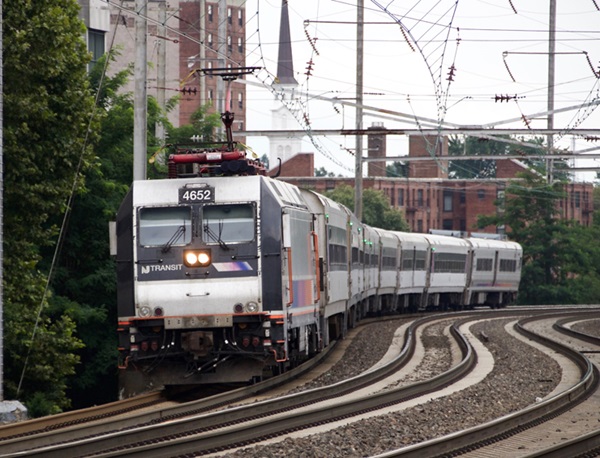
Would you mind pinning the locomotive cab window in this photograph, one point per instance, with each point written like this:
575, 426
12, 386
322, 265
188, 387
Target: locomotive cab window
228, 223
165, 225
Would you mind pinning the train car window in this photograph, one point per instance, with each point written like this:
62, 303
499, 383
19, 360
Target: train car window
420, 258
388, 261
408, 260
508, 265
337, 257
165, 226
228, 223
485, 264
450, 262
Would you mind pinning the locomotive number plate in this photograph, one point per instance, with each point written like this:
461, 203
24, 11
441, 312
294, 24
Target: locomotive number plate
205, 321
192, 195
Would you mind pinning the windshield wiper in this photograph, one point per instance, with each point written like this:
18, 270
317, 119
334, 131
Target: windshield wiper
176, 236
215, 237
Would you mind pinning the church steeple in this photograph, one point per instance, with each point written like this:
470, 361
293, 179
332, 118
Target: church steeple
285, 64
284, 147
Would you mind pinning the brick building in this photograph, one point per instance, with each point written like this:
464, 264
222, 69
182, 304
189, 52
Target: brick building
199, 34
429, 199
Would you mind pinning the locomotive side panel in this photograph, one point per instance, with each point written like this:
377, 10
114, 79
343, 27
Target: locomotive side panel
125, 283
271, 248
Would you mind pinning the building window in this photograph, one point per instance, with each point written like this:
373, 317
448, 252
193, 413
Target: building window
240, 100
447, 201
577, 199
240, 45
400, 197
209, 38
229, 45
209, 66
209, 94
462, 196
210, 13
229, 15
96, 45
447, 224
419, 225
481, 194
240, 18
419, 197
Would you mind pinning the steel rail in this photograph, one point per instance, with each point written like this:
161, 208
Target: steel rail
121, 442
51, 422
490, 432
89, 422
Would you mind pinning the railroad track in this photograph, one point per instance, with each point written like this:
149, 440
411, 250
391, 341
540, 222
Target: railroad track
247, 424
146, 429
512, 434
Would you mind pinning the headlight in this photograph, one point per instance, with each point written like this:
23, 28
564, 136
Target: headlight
251, 307
196, 258
144, 311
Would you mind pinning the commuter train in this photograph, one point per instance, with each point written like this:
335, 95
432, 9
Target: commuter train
226, 275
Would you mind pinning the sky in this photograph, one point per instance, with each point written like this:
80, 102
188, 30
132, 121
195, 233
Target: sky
491, 48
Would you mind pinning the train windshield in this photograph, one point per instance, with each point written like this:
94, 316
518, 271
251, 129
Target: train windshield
165, 226
228, 223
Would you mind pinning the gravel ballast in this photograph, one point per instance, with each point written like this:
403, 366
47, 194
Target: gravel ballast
521, 374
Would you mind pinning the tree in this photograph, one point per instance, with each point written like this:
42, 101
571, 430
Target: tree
397, 170
596, 214
322, 172
48, 106
377, 211
486, 168
473, 146
559, 257
200, 133
85, 286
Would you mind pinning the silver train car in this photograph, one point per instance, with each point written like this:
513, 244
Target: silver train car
226, 275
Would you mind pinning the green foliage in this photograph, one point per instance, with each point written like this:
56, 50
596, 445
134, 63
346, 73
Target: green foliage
560, 257
377, 211
203, 126
322, 172
596, 214
475, 168
486, 168
47, 133
397, 170
85, 286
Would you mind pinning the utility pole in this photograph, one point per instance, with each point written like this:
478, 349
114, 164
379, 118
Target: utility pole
1, 211
358, 184
222, 48
161, 67
551, 67
202, 50
140, 107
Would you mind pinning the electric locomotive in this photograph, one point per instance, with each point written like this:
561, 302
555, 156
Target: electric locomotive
220, 283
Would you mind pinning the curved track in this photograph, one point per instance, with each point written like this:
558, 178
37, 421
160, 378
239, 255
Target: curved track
516, 434
184, 430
